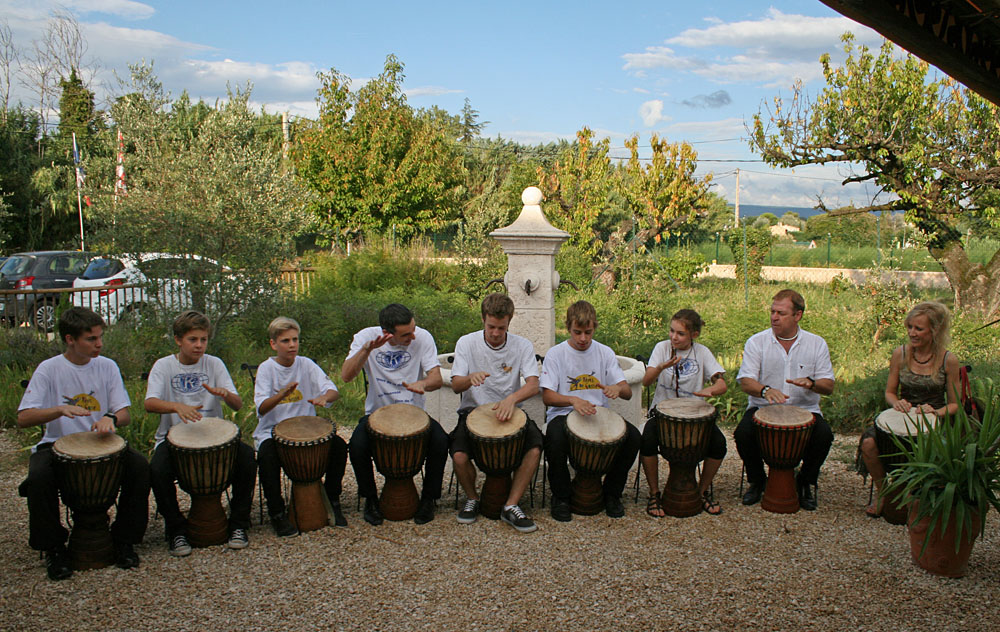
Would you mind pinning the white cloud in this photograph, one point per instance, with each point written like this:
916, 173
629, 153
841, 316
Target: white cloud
640, 90
651, 112
123, 8
531, 137
723, 128
429, 91
660, 57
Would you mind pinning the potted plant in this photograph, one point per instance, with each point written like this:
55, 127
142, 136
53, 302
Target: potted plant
950, 481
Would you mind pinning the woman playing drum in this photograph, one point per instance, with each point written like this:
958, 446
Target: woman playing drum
681, 367
923, 378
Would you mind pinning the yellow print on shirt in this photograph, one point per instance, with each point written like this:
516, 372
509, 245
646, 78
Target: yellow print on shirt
83, 400
584, 383
291, 398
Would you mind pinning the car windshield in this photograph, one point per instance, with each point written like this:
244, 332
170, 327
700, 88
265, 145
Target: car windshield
16, 266
102, 268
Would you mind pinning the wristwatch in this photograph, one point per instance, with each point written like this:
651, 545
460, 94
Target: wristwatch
113, 417
764, 390
812, 382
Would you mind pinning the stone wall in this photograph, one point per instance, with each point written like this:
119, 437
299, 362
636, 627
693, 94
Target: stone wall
824, 275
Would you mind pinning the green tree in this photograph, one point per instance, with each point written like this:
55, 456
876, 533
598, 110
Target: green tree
20, 130
76, 108
471, 125
374, 164
930, 142
757, 244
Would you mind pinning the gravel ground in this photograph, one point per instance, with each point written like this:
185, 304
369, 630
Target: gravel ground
832, 569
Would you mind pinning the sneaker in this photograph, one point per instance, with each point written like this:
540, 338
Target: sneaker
613, 507
125, 556
754, 493
469, 512
807, 496
561, 511
373, 513
179, 546
425, 512
283, 527
515, 517
338, 514
57, 563
238, 539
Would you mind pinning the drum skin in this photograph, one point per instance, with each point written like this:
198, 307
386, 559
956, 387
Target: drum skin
684, 427
903, 426
496, 445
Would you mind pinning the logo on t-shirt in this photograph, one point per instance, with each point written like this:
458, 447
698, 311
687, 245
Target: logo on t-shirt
687, 366
506, 368
291, 398
392, 360
83, 400
584, 383
188, 382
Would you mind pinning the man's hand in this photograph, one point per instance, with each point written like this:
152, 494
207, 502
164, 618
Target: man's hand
104, 424
583, 407
504, 408
71, 410
478, 378
188, 414
415, 387
774, 396
218, 391
378, 342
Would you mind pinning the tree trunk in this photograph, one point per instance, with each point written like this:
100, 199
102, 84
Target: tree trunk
976, 286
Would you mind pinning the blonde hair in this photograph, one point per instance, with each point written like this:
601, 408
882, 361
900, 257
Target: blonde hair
939, 319
280, 325
582, 313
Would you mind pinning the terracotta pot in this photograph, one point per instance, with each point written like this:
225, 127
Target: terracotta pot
940, 557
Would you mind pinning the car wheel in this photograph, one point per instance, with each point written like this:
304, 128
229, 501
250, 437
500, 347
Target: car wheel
45, 315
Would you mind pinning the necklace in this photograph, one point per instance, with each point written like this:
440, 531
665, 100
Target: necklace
491, 346
929, 358
787, 339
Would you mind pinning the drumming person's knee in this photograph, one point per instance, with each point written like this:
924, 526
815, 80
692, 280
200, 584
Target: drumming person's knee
461, 459
868, 447
136, 468
744, 430
822, 433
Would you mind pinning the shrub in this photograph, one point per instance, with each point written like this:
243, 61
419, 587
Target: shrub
757, 244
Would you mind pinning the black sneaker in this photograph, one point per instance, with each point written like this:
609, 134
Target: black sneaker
125, 556
807, 496
338, 514
754, 492
238, 539
57, 563
425, 512
283, 527
515, 517
613, 507
469, 512
179, 546
373, 513
561, 511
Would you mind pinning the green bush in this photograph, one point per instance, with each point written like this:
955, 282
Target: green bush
682, 265
751, 245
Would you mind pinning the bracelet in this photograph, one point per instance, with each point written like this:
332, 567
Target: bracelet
112, 417
764, 389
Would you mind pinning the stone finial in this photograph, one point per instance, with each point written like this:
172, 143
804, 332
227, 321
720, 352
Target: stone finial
530, 225
532, 196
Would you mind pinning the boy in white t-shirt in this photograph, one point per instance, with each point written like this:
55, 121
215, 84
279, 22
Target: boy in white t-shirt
79, 391
400, 362
580, 374
183, 388
289, 385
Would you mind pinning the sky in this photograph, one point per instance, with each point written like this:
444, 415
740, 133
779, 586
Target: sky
536, 71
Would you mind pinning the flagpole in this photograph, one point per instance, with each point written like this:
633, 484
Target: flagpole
79, 203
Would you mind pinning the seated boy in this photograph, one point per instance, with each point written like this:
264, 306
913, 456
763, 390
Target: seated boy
289, 385
580, 374
183, 388
79, 391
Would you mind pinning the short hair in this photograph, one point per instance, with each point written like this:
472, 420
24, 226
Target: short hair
77, 320
280, 325
189, 321
582, 313
798, 303
691, 319
393, 315
940, 321
497, 305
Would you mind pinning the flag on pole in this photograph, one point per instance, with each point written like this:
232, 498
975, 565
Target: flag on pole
76, 161
120, 188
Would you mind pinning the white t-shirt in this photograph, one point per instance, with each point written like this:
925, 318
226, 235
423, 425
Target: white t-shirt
696, 366
389, 366
172, 381
765, 360
272, 377
579, 373
506, 366
96, 386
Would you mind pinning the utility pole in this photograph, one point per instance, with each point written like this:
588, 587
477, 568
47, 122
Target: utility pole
737, 196
286, 134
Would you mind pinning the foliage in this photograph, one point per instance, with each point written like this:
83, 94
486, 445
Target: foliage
843, 229
683, 265
929, 142
749, 247
381, 264
888, 301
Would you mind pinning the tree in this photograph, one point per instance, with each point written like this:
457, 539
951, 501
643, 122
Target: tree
374, 164
76, 108
929, 142
19, 129
471, 125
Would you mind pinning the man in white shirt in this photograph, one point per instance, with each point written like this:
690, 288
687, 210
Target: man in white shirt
400, 362
785, 365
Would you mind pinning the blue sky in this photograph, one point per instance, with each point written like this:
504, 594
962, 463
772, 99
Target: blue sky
537, 71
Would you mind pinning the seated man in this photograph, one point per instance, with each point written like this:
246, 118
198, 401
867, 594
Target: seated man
400, 373
785, 365
580, 374
488, 368
79, 391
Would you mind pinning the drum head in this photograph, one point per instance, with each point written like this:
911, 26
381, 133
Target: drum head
903, 424
685, 408
88, 445
304, 429
399, 420
783, 416
483, 422
604, 426
207, 432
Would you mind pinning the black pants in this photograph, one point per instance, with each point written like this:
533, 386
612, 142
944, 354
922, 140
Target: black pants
557, 453
163, 477
45, 528
361, 460
270, 473
716, 448
812, 459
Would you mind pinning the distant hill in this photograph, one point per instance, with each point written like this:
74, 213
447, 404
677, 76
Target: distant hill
755, 210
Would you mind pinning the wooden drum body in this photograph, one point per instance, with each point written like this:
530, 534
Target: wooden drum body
594, 441
89, 468
203, 454
684, 427
303, 446
399, 435
497, 447
783, 432
903, 426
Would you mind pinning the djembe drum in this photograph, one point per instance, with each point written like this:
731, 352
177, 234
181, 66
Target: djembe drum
303, 446
203, 454
903, 426
684, 427
496, 447
783, 432
89, 468
399, 435
594, 441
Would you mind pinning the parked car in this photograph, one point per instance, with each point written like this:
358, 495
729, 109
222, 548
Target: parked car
43, 270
